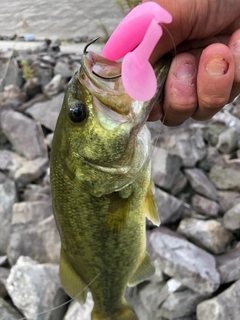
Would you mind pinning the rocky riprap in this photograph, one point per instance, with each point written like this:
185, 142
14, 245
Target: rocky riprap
196, 171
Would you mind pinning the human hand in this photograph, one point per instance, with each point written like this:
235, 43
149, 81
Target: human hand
205, 73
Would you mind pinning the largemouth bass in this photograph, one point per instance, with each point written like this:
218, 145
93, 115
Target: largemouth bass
101, 187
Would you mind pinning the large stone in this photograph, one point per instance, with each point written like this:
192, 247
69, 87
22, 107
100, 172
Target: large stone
200, 183
228, 199
65, 68
205, 206
170, 208
154, 294
36, 288
31, 170
80, 311
47, 112
142, 314
34, 192
180, 304
8, 312
231, 219
13, 93
212, 157
192, 266
209, 234
33, 232
228, 265
11, 74
24, 134
179, 183
225, 306
151, 298
10, 161
165, 168
8, 195
226, 176
188, 143
228, 141
54, 87
212, 132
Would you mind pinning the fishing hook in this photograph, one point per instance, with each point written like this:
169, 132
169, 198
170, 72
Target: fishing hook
96, 74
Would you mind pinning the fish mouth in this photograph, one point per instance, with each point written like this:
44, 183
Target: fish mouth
94, 74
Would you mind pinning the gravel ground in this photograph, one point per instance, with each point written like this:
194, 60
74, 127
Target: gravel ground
64, 19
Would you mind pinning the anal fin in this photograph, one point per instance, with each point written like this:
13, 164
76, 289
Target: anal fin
72, 283
144, 271
151, 206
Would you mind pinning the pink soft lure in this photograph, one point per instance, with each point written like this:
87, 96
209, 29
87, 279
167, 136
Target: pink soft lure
134, 40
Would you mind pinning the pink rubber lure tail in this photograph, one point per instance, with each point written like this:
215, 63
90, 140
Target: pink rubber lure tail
134, 40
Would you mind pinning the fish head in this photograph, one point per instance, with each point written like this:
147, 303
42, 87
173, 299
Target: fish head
99, 124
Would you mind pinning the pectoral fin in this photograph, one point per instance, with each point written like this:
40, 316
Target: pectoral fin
144, 271
71, 281
151, 206
118, 212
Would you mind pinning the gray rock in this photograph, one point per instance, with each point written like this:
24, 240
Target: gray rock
228, 199
231, 219
212, 132
136, 304
225, 306
228, 141
200, 183
151, 298
212, 157
12, 75
49, 139
33, 232
65, 68
55, 86
43, 71
209, 234
32, 87
184, 261
179, 183
169, 207
47, 112
4, 272
187, 143
155, 128
10, 161
8, 312
8, 196
180, 304
31, 170
24, 134
226, 176
35, 288
80, 311
13, 92
34, 192
165, 167
228, 265
205, 206
153, 295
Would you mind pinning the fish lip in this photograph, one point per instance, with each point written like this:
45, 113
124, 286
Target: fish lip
109, 92
89, 60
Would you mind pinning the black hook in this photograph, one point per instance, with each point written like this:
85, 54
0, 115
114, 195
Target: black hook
98, 75
89, 43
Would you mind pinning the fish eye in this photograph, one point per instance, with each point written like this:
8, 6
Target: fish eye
77, 112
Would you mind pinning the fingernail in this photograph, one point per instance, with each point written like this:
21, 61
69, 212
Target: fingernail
236, 45
217, 66
185, 70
